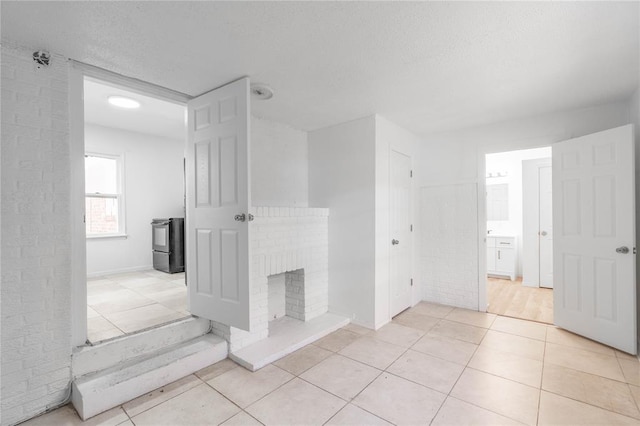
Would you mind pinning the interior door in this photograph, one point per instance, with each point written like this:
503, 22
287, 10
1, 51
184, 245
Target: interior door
217, 179
545, 225
594, 242
400, 228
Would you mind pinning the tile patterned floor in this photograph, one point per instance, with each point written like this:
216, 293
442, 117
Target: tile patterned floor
432, 365
124, 303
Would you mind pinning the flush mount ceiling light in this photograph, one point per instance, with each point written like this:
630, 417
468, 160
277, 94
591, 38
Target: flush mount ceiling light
123, 102
261, 91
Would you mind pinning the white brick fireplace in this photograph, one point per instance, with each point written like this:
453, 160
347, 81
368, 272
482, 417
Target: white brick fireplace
291, 240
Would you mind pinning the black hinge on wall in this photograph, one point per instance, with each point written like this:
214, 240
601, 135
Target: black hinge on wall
410, 173
411, 282
411, 228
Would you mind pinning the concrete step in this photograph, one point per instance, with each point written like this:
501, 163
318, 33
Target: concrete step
98, 392
91, 358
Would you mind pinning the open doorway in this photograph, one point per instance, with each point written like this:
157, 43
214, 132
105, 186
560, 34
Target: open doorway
520, 234
134, 154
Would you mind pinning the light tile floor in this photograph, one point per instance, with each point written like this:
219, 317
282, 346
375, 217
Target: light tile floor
432, 365
125, 303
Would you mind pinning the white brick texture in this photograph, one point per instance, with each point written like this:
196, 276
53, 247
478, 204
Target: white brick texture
35, 226
449, 245
292, 240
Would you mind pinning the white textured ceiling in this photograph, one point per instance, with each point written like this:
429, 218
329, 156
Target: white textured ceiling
154, 117
428, 66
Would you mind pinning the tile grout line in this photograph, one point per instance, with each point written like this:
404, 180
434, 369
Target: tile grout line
448, 395
167, 400
263, 396
381, 371
544, 353
471, 368
355, 396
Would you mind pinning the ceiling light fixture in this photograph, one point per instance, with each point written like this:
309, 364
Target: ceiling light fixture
261, 91
123, 102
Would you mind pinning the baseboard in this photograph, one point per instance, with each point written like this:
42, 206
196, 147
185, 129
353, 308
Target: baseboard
119, 271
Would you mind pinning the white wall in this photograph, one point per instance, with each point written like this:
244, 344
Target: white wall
36, 241
458, 157
449, 249
342, 178
279, 165
154, 188
510, 162
349, 174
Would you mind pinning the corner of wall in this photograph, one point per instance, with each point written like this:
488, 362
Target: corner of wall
341, 178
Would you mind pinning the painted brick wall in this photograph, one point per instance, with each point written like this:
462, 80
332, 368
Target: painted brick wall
285, 239
35, 226
449, 244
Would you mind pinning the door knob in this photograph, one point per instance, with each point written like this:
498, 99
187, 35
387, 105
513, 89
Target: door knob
543, 233
395, 242
240, 217
623, 250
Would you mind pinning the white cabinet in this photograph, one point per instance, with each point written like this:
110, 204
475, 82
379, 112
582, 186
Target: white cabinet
501, 256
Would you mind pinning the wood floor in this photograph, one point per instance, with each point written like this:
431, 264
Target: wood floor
512, 299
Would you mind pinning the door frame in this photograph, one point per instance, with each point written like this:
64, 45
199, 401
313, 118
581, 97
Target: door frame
77, 73
532, 195
383, 223
411, 249
482, 205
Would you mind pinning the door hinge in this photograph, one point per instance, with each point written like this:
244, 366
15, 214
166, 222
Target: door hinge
411, 228
634, 250
410, 173
411, 282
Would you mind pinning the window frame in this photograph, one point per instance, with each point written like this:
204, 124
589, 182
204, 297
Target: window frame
119, 196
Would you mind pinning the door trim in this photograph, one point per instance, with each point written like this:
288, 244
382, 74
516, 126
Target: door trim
401, 151
480, 180
530, 196
77, 72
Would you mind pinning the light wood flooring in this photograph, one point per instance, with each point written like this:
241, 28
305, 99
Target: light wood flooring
512, 299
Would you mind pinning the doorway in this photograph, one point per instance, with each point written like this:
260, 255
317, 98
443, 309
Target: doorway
133, 174
400, 228
519, 234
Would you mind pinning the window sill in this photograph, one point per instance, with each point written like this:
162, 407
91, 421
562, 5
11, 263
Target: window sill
108, 237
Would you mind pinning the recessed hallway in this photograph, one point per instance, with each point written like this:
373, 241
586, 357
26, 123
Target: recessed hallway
433, 364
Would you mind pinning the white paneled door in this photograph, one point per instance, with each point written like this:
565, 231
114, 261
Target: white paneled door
400, 230
217, 178
594, 241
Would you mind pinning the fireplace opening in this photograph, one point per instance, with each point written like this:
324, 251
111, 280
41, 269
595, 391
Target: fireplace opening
286, 295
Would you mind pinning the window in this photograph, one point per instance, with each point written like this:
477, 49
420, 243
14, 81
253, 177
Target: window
104, 206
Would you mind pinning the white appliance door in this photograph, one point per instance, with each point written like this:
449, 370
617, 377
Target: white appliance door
217, 178
594, 241
400, 223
